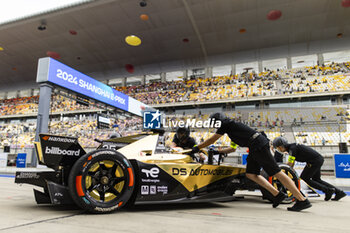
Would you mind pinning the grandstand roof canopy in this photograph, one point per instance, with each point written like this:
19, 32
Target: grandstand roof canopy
212, 27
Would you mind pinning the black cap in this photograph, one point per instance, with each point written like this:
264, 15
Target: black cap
279, 141
218, 116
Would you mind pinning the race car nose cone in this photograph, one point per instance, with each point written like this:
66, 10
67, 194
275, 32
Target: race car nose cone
104, 180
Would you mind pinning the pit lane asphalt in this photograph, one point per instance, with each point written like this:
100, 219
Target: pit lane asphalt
20, 213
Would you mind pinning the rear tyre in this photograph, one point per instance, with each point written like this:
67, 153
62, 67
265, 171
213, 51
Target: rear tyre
278, 185
101, 181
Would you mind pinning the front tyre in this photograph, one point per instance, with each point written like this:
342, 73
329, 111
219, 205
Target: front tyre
291, 173
101, 181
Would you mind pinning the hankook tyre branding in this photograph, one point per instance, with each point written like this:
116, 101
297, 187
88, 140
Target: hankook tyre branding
102, 153
57, 151
101, 209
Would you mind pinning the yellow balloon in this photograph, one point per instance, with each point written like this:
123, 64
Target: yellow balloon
1, 48
133, 40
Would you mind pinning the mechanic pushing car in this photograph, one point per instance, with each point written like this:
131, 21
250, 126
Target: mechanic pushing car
259, 156
312, 171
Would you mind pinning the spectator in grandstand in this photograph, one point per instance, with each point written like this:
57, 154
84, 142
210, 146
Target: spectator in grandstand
312, 171
259, 156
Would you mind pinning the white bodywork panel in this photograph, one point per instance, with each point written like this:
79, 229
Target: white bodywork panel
143, 150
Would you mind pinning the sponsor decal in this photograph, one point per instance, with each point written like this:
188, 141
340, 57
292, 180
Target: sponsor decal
144, 190
150, 181
201, 172
57, 151
58, 195
345, 166
153, 172
27, 175
162, 189
59, 139
152, 189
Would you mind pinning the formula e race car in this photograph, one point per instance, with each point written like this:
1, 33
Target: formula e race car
131, 170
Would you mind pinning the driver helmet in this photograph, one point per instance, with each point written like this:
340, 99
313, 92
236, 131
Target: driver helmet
182, 133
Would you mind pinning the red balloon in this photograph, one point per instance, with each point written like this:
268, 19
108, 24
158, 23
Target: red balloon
274, 15
73, 32
53, 55
345, 3
129, 68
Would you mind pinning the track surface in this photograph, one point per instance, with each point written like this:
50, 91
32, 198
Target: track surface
20, 213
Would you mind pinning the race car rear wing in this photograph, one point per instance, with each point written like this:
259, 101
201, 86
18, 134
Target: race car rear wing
54, 151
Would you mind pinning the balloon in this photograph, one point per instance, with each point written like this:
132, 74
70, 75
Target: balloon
242, 30
129, 68
185, 40
274, 15
73, 32
133, 40
1, 48
144, 17
53, 55
345, 3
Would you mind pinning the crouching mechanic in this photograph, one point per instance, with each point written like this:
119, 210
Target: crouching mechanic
312, 171
183, 140
259, 156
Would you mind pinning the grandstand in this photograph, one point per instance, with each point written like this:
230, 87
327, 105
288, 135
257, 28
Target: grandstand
304, 81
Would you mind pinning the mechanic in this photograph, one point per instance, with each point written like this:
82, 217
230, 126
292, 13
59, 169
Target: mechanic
183, 140
312, 171
277, 155
259, 156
